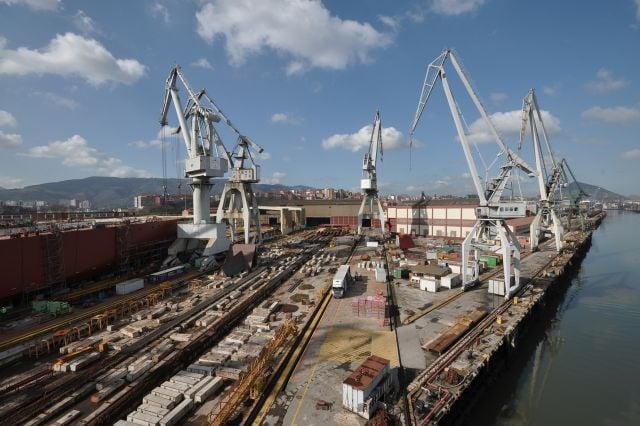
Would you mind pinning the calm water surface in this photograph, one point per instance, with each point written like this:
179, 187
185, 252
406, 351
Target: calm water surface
581, 364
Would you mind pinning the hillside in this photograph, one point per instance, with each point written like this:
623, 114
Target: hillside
110, 192
594, 192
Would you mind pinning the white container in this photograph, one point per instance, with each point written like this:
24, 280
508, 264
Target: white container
152, 410
180, 387
209, 389
143, 419
139, 371
158, 401
177, 413
129, 286
381, 275
451, 281
191, 393
430, 285
173, 395
496, 286
182, 379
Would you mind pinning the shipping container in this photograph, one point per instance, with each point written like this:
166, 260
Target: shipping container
174, 417
143, 419
129, 286
158, 401
209, 389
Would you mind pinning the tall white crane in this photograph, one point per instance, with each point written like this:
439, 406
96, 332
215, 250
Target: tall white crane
549, 183
238, 200
369, 181
491, 212
204, 162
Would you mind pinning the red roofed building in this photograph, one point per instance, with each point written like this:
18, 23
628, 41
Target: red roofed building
367, 385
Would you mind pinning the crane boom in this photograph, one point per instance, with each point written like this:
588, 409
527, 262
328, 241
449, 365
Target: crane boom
491, 211
546, 218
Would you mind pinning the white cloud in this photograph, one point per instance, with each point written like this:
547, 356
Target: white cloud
154, 143
389, 21
615, 115
264, 155
71, 55
85, 23
508, 125
632, 154
159, 10
550, 90
605, 82
9, 140
35, 4
281, 117
7, 119
303, 31
455, 7
275, 178
498, 97
391, 139
202, 63
10, 181
76, 152
58, 100
637, 9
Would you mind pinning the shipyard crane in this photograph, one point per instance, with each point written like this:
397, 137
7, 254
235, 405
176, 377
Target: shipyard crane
422, 201
204, 162
491, 212
574, 200
549, 184
369, 181
238, 200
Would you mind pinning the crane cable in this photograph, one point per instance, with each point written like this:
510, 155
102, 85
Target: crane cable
164, 163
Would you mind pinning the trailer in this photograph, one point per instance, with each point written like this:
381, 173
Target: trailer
165, 274
341, 281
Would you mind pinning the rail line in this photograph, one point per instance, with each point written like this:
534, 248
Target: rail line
69, 321
284, 371
452, 354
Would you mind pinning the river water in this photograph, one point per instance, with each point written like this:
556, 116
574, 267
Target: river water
580, 365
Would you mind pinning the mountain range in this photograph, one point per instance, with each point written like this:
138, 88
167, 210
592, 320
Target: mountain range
111, 192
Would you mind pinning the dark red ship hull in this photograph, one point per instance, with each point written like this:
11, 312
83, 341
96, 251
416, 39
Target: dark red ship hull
28, 261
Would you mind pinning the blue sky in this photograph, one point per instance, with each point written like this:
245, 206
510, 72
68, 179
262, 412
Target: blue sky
82, 82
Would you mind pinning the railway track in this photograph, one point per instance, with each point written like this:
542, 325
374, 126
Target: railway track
428, 376
58, 387
78, 318
285, 369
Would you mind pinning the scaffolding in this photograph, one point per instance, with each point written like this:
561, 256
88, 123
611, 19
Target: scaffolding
53, 259
254, 377
122, 246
